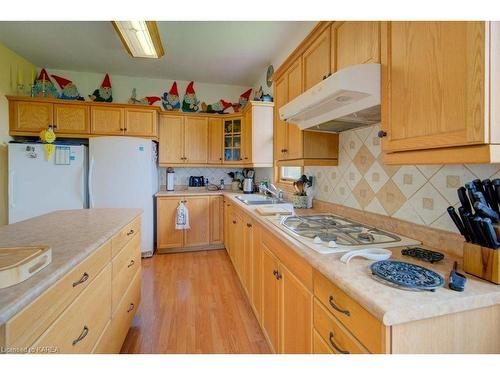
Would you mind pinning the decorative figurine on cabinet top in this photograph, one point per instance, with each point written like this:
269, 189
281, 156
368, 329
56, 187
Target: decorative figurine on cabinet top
170, 101
244, 98
218, 107
258, 94
103, 93
43, 87
69, 89
190, 102
147, 100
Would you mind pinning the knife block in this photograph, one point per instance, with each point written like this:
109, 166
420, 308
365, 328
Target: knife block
482, 262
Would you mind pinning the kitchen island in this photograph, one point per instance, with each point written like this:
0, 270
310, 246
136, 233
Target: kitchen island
85, 299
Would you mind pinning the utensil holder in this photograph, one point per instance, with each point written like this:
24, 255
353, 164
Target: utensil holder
482, 262
299, 201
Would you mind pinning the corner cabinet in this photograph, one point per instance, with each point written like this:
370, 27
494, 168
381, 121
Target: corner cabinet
80, 119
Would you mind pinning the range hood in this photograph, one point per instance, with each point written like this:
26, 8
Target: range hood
348, 99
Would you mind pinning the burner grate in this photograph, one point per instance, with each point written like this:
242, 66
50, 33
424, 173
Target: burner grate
406, 275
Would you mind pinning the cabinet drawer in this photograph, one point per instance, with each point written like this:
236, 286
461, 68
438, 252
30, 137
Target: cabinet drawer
319, 345
128, 232
112, 338
335, 335
360, 322
24, 328
124, 267
81, 324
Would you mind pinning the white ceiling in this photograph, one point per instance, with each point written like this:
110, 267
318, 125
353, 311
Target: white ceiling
234, 53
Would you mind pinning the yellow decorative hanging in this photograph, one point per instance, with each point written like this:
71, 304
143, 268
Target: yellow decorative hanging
48, 137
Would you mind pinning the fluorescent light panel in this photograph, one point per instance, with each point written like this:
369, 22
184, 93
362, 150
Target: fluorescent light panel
140, 38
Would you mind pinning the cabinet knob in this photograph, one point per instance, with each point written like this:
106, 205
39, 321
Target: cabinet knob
220, 158
234, 221
54, 126
324, 77
382, 134
249, 225
246, 158
285, 150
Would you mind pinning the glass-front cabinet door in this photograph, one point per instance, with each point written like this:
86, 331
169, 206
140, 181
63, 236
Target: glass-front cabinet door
232, 140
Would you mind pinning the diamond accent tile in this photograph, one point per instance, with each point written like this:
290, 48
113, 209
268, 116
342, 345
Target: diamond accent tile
429, 203
363, 193
341, 191
449, 178
352, 143
409, 180
352, 176
376, 176
363, 159
390, 197
372, 141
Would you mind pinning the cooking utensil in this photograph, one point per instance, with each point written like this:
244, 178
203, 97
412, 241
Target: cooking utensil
478, 231
479, 185
462, 196
479, 197
369, 253
465, 216
490, 233
485, 211
471, 189
490, 194
457, 280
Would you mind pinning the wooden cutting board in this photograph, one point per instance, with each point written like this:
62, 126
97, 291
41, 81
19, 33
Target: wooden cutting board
273, 210
20, 263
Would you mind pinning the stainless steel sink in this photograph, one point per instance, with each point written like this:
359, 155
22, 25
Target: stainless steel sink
254, 199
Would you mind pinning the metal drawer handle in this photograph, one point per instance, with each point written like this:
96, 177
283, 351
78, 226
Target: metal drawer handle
130, 232
131, 263
84, 278
130, 307
82, 335
335, 345
345, 312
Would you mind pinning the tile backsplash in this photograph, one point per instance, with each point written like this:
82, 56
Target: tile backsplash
415, 193
214, 175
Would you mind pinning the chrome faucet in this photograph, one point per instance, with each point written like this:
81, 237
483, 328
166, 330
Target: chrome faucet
277, 193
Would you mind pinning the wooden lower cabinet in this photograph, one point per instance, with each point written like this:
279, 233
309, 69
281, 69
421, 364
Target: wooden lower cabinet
270, 298
227, 221
319, 345
256, 295
205, 218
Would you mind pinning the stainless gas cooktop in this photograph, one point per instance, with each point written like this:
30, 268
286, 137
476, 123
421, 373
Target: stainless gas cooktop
328, 233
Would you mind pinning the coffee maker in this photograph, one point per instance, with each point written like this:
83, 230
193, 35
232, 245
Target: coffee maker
248, 182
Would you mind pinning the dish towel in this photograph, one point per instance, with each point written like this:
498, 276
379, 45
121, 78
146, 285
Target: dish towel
182, 217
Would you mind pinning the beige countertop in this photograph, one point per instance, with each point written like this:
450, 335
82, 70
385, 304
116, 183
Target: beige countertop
388, 304
72, 234
184, 192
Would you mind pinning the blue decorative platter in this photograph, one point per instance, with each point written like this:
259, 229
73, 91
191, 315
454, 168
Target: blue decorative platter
407, 275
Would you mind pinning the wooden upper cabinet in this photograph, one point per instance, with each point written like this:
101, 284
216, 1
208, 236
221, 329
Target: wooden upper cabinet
215, 136
72, 118
195, 140
107, 120
171, 139
354, 42
294, 134
30, 116
246, 137
316, 60
141, 122
199, 233
433, 84
166, 234
280, 127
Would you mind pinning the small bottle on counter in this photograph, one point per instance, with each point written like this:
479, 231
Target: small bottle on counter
222, 184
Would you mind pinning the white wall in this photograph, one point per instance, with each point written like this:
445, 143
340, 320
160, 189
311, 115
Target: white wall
122, 86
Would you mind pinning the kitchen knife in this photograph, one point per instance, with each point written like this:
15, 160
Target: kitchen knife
496, 188
478, 231
456, 220
479, 185
479, 197
490, 194
462, 196
471, 189
485, 211
467, 224
490, 233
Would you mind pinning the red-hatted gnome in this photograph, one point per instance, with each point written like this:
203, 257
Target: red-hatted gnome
103, 93
242, 101
69, 89
170, 101
190, 102
218, 107
43, 86
147, 100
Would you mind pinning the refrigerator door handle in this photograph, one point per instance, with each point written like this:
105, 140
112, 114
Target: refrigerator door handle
12, 202
91, 174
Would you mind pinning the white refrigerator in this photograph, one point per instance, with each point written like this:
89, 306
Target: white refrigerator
123, 172
38, 186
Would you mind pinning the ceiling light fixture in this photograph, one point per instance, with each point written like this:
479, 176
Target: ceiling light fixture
140, 38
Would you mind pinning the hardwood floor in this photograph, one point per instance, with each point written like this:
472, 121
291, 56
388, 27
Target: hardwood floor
193, 303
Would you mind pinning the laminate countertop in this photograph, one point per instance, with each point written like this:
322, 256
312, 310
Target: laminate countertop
390, 305
72, 234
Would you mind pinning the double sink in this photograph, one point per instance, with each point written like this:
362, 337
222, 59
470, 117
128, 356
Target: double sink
255, 199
